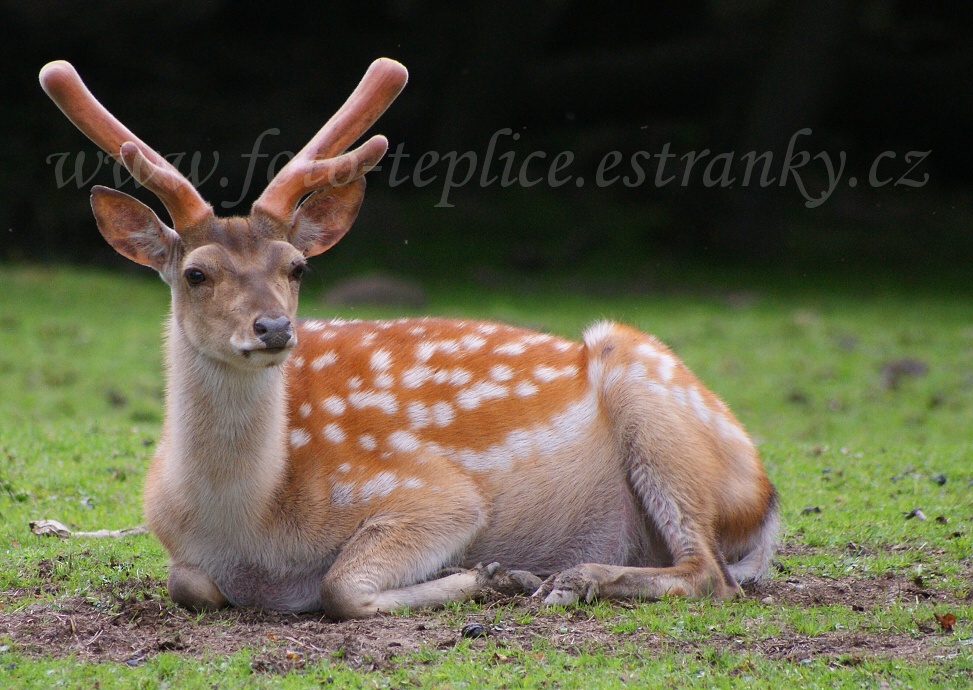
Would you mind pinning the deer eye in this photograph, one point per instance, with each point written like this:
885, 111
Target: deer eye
298, 272
194, 276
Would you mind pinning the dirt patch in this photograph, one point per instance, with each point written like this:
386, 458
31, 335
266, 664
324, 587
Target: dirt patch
132, 622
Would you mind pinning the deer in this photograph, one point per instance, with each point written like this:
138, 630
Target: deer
353, 467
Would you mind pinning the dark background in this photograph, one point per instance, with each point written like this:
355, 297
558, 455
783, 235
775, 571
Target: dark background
724, 75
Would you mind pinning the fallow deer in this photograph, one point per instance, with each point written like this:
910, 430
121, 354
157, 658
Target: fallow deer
344, 466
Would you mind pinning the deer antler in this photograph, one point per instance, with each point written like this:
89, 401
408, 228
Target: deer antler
61, 82
318, 164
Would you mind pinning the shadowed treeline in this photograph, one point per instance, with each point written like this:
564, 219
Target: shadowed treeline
855, 116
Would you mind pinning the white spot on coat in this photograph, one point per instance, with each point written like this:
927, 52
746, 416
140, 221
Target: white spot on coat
493, 458
304, 410
449, 347
525, 389
419, 414
404, 442
334, 433
324, 360
501, 372
699, 406
470, 398
334, 404
667, 365
456, 376
679, 395
381, 400
379, 486
546, 374
425, 351
512, 349
415, 376
342, 493
380, 360
657, 388
434, 449
472, 343
299, 438
368, 442
443, 413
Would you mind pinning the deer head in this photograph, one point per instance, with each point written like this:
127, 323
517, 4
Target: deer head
235, 281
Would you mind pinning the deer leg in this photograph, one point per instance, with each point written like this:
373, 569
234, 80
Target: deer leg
385, 563
193, 589
698, 569
469, 584
590, 581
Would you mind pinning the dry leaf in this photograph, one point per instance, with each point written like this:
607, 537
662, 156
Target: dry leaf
946, 621
49, 528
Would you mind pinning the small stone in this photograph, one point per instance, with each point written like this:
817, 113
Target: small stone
474, 630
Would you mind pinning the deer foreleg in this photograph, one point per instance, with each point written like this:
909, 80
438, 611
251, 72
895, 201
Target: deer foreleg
386, 565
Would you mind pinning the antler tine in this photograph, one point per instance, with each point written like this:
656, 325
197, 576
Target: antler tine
319, 164
61, 82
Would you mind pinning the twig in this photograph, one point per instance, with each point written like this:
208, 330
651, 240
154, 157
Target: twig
92, 639
53, 528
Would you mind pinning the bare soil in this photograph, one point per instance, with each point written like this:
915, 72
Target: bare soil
131, 622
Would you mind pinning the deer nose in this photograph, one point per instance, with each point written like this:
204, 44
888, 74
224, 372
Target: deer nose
273, 332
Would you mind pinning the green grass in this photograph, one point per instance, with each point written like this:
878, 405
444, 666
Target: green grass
801, 365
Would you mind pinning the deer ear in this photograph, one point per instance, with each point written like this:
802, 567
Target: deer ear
326, 216
132, 228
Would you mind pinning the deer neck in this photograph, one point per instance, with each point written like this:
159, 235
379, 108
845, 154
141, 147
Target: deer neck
226, 430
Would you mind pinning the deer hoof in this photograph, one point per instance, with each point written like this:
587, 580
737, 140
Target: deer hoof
499, 579
569, 586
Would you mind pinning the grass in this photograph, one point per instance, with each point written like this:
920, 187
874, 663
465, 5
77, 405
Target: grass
860, 397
